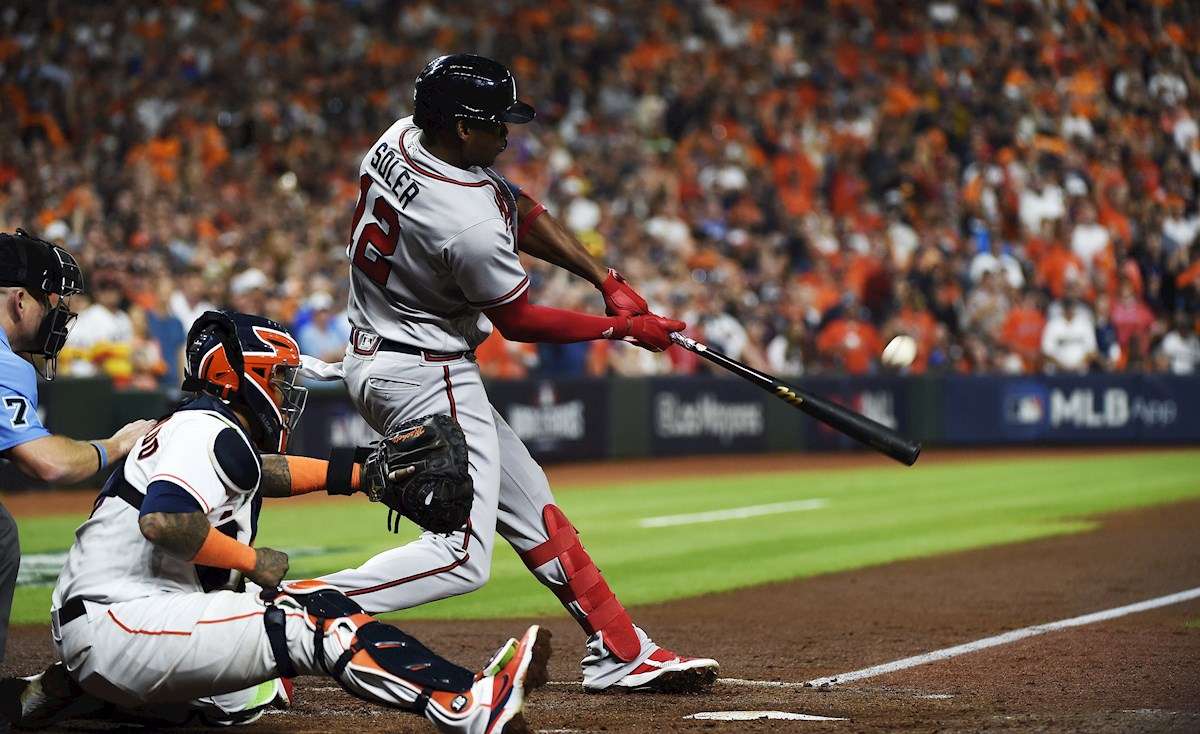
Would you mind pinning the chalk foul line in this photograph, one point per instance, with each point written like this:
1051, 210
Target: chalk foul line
1004, 639
735, 513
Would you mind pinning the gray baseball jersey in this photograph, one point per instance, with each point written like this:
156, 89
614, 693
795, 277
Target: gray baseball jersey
432, 245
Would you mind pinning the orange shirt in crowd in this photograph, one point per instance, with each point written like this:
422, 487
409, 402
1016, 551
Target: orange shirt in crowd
1058, 267
1022, 333
821, 292
920, 325
851, 342
502, 359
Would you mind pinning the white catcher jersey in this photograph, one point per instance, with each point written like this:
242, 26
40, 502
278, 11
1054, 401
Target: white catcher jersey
432, 245
112, 562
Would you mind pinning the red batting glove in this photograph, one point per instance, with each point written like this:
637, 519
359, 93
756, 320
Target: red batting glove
620, 299
649, 331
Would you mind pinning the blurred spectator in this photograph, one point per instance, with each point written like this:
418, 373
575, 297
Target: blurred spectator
995, 260
326, 334
1133, 323
1021, 333
1069, 340
501, 359
785, 353
742, 173
1089, 239
1180, 348
850, 343
188, 301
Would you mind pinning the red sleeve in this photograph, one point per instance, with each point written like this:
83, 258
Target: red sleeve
521, 321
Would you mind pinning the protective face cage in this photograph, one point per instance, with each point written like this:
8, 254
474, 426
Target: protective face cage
49, 270
250, 345
294, 397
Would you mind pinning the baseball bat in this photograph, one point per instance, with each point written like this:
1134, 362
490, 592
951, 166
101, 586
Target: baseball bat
855, 425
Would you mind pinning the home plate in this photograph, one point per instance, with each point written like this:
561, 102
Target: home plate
755, 715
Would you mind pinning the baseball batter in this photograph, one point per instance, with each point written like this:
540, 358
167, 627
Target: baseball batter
434, 264
147, 615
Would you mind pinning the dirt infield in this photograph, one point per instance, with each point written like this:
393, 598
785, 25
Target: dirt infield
1136, 673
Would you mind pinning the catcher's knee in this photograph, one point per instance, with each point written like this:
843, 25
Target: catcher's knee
376, 648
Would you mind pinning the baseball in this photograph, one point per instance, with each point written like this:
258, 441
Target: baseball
900, 351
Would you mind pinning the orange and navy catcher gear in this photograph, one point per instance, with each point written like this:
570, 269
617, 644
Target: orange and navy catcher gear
251, 363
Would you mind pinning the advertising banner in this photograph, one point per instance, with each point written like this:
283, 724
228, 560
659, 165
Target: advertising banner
1080, 409
706, 415
556, 419
882, 399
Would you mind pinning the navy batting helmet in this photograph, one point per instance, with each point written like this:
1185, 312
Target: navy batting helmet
468, 86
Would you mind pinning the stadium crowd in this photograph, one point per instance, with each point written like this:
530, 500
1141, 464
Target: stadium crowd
1013, 183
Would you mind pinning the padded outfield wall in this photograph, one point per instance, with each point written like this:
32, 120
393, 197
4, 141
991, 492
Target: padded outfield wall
573, 419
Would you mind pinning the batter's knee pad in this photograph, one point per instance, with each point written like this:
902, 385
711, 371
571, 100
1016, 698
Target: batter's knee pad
385, 649
585, 587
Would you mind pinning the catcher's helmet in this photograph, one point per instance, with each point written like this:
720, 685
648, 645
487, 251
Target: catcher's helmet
43, 269
250, 362
470, 86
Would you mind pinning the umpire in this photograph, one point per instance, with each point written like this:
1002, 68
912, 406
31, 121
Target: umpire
36, 281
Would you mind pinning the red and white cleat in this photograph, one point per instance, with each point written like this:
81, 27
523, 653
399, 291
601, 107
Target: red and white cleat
656, 670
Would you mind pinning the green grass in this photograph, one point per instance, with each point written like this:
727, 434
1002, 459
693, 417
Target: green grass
873, 516
1193, 624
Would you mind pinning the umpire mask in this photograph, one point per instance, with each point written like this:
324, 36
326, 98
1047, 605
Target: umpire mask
52, 276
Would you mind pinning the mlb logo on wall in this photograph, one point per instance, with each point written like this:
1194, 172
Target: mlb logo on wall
1025, 405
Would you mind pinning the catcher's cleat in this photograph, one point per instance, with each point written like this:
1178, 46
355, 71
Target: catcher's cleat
495, 701
656, 670
45, 699
273, 694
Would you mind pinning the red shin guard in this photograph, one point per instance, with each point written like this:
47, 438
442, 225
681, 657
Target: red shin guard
585, 586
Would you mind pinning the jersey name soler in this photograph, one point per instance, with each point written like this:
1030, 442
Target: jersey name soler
432, 245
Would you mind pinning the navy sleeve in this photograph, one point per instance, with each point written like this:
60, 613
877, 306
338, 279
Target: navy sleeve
512, 187
166, 496
238, 465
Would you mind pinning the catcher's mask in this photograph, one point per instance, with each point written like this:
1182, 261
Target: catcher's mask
250, 362
51, 276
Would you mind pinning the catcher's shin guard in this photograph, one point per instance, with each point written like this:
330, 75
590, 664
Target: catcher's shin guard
585, 593
370, 659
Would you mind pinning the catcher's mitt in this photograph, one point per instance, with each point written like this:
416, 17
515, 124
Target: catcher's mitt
420, 471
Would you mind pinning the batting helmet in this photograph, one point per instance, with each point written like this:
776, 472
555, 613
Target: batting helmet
43, 269
470, 86
250, 362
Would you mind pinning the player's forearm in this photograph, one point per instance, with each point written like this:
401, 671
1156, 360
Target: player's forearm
287, 476
547, 239
523, 321
58, 458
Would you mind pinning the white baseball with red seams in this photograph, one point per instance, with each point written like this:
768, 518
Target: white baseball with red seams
432, 247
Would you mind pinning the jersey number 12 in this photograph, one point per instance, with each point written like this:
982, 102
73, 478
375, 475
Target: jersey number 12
374, 237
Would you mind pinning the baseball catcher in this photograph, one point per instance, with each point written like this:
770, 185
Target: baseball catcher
150, 619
